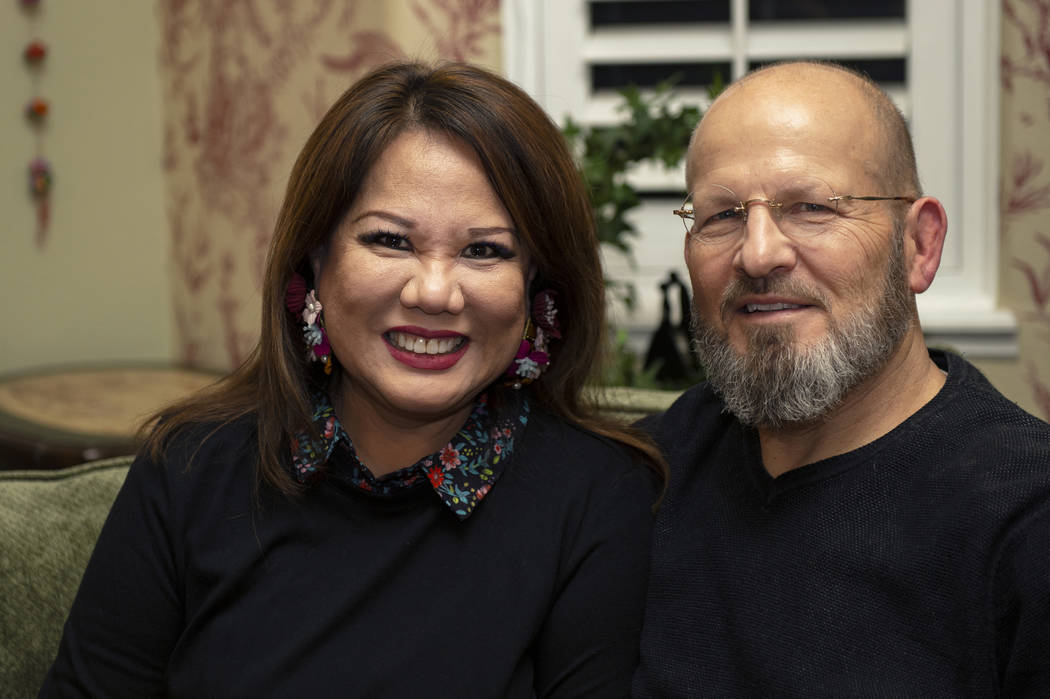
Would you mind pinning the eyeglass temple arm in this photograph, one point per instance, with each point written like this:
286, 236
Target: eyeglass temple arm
848, 197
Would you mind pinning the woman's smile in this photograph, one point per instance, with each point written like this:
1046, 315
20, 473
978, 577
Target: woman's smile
433, 361
442, 343
435, 352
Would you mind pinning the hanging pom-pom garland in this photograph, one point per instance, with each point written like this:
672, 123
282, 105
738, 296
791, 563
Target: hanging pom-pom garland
35, 51
40, 190
36, 112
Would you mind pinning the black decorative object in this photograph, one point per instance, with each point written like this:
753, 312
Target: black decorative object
670, 349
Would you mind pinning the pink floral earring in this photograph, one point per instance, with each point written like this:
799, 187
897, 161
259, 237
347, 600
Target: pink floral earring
533, 358
305, 305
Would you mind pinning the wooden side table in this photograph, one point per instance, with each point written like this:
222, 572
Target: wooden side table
60, 416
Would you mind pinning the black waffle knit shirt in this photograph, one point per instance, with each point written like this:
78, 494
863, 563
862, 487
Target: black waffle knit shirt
917, 565
194, 590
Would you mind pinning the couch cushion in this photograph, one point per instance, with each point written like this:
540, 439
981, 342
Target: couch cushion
627, 403
49, 522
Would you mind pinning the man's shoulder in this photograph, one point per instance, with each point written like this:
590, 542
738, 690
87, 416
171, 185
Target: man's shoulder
979, 411
695, 421
973, 434
695, 403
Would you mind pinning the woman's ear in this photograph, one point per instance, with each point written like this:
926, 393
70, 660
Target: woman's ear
317, 257
924, 232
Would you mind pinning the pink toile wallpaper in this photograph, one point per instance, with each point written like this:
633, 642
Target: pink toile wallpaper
1025, 205
244, 82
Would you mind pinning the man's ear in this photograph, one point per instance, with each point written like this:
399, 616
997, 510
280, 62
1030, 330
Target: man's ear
924, 231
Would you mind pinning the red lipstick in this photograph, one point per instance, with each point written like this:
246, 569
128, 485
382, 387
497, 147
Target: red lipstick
419, 360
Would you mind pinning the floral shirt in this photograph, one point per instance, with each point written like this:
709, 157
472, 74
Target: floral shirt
461, 473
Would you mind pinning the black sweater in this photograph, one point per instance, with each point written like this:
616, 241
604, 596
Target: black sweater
917, 565
194, 592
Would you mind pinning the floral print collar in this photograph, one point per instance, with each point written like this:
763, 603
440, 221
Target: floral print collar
461, 473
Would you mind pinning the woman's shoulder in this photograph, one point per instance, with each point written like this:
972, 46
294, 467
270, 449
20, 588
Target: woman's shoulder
573, 453
207, 441
197, 454
552, 432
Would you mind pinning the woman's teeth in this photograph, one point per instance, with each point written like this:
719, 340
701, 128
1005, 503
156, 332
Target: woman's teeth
423, 345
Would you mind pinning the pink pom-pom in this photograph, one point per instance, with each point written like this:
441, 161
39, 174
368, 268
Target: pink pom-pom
295, 294
544, 313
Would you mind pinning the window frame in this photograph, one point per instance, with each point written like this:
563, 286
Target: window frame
951, 99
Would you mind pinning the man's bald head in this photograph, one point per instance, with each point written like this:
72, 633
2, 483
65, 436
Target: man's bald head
878, 121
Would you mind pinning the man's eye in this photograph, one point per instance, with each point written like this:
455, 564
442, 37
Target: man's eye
808, 211
809, 207
727, 215
723, 220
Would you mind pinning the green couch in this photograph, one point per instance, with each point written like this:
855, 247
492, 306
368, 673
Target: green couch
49, 522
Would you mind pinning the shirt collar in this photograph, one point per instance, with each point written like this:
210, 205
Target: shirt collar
461, 473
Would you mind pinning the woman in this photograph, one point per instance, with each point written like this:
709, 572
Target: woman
401, 493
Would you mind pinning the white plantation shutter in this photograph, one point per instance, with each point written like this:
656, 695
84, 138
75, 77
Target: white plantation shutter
938, 59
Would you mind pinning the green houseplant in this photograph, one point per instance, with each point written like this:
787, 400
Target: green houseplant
652, 130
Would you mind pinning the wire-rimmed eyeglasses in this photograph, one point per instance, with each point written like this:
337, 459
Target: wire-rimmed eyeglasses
806, 208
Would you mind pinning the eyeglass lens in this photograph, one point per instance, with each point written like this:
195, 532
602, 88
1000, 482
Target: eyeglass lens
800, 208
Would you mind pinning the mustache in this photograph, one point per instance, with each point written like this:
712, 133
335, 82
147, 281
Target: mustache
745, 286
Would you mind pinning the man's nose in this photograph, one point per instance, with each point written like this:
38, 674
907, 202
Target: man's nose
764, 249
433, 287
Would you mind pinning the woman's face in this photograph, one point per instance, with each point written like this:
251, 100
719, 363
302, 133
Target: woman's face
423, 284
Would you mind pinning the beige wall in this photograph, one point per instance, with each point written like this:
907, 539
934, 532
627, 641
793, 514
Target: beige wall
99, 288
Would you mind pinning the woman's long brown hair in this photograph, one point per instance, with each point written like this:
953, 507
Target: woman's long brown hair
533, 174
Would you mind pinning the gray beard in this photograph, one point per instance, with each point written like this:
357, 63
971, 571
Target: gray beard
775, 382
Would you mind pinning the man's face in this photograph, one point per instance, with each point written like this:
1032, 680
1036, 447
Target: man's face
792, 322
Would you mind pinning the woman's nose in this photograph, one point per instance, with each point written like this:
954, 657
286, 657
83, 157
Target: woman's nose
433, 287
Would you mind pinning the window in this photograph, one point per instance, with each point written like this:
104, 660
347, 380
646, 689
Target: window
938, 59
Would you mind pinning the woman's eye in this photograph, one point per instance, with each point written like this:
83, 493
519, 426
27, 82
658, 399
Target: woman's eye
484, 251
383, 239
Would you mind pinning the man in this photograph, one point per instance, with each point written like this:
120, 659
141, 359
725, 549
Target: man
849, 513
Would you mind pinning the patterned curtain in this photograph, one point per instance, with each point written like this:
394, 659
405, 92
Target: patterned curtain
1025, 203
245, 82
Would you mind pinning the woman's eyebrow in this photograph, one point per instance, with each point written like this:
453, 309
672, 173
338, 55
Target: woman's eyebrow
393, 218
477, 231
491, 230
